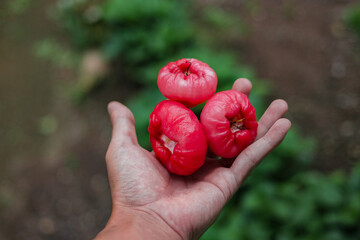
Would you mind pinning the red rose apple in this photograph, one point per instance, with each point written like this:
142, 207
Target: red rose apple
177, 137
229, 122
188, 81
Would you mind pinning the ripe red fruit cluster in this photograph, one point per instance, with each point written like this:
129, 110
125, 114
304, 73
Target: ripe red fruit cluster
228, 122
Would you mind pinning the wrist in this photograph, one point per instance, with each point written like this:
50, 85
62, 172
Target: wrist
128, 223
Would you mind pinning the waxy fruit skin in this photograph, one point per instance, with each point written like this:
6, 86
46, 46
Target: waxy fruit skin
177, 138
229, 122
188, 81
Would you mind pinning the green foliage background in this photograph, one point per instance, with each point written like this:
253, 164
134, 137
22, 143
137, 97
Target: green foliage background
282, 199
352, 17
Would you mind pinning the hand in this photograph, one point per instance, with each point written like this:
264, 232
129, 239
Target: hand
158, 205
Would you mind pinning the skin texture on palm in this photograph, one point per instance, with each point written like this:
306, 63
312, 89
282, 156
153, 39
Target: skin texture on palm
171, 206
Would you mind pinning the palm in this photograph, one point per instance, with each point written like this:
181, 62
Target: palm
146, 184
187, 204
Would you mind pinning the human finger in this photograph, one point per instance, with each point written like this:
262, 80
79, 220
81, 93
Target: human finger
274, 112
253, 154
242, 85
123, 123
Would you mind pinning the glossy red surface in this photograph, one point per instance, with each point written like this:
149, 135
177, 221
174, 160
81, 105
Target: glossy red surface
229, 122
177, 137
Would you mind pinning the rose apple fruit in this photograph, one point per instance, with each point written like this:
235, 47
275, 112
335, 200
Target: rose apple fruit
229, 122
188, 81
177, 137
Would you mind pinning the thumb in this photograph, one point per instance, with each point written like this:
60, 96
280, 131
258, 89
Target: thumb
123, 123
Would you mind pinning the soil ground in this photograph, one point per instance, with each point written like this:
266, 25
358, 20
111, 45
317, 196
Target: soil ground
54, 186
304, 49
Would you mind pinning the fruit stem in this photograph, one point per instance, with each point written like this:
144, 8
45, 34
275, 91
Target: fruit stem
237, 125
187, 72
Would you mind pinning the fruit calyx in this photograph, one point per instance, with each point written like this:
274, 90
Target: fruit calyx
237, 124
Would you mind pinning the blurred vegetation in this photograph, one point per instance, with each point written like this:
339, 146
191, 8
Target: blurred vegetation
52, 51
308, 205
19, 6
282, 199
352, 18
139, 37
